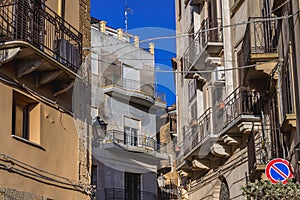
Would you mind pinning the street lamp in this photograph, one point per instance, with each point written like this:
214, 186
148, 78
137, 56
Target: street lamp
99, 129
161, 181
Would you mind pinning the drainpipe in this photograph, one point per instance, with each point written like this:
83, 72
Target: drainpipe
263, 123
279, 91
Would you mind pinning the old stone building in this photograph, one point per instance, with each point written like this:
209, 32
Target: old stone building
167, 170
126, 147
237, 93
45, 151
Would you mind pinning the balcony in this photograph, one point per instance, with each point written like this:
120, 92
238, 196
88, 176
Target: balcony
221, 124
203, 51
115, 141
114, 193
258, 155
260, 42
43, 43
196, 134
197, 141
133, 90
242, 106
260, 45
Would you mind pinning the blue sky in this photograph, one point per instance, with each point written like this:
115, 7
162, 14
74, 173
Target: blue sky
150, 19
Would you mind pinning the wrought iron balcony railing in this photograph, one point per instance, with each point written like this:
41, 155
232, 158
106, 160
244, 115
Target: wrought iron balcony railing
133, 86
260, 37
210, 31
133, 140
114, 194
259, 153
197, 133
241, 101
33, 22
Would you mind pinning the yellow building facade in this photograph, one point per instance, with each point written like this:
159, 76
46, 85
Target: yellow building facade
45, 131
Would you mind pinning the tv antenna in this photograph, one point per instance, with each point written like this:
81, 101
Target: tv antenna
127, 10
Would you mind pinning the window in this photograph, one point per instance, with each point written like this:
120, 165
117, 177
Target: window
132, 186
192, 89
26, 118
94, 175
193, 111
131, 136
131, 78
193, 115
131, 131
241, 71
266, 11
30, 21
287, 88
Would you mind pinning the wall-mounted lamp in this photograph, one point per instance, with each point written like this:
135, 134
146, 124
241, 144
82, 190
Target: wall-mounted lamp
161, 181
100, 128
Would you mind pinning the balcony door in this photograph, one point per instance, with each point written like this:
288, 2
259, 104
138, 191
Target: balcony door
132, 186
30, 21
269, 40
131, 131
212, 21
131, 136
131, 78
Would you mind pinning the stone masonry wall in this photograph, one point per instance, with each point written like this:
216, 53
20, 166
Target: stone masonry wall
83, 117
12, 194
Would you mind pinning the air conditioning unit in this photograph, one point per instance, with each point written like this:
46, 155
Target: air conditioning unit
218, 75
66, 52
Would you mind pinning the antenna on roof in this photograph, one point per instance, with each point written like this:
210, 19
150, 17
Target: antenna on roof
127, 10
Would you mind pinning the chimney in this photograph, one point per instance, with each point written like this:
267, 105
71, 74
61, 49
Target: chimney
103, 26
120, 34
151, 48
136, 41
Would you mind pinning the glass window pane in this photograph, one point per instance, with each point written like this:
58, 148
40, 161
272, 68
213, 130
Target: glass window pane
18, 121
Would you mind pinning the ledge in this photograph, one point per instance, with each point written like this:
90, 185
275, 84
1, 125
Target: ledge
51, 60
28, 142
289, 122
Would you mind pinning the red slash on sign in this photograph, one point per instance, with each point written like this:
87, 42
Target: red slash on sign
279, 170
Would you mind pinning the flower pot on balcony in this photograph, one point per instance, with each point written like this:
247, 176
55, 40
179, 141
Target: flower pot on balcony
221, 105
194, 122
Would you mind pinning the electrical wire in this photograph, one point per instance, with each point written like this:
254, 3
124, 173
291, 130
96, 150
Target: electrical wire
201, 31
30, 172
196, 71
5, 79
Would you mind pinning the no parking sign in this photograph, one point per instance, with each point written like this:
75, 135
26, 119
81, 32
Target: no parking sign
279, 170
